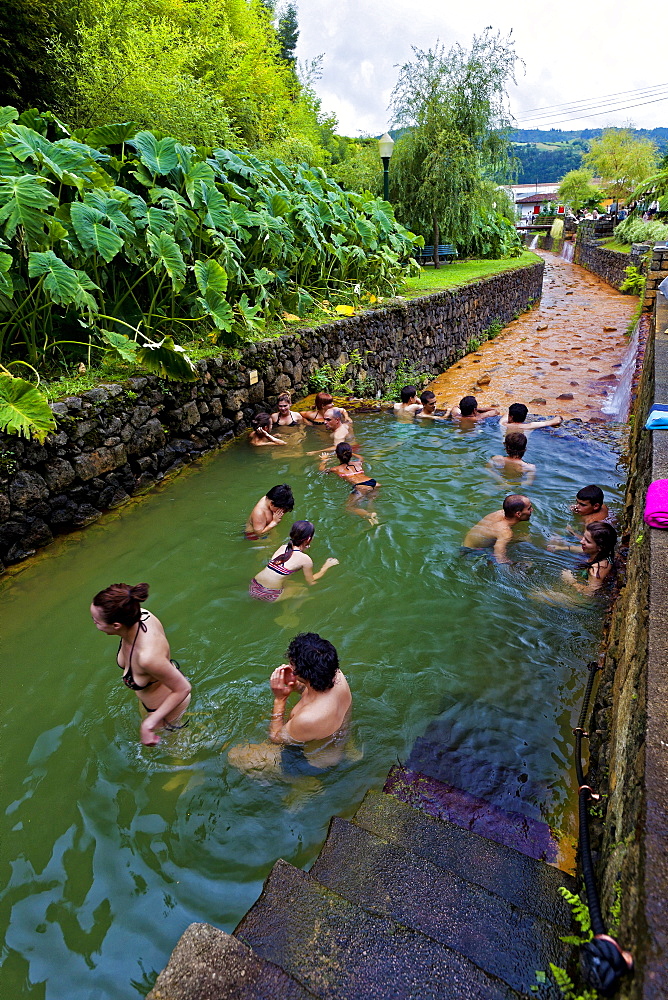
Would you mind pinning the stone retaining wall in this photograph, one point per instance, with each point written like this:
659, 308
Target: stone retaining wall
117, 439
629, 763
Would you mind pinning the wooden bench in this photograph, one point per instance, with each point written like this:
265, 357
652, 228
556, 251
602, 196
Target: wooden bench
447, 252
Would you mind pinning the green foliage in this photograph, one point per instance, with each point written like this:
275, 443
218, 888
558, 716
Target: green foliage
577, 191
634, 230
494, 329
580, 913
454, 104
568, 989
473, 345
130, 247
634, 283
288, 32
334, 380
23, 408
622, 160
406, 374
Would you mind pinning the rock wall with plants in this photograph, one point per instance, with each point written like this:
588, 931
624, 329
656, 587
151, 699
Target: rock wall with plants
117, 439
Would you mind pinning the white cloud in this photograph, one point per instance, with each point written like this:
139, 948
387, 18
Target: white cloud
573, 52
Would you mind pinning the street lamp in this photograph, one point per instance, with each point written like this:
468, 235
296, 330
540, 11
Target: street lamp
385, 147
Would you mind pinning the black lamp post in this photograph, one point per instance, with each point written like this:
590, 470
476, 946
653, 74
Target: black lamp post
385, 147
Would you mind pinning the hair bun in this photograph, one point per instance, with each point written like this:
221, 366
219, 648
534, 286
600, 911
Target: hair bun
139, 592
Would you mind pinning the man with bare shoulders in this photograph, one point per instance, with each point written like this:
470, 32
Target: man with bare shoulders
469, 412
515, 422
268, 511
428, 407
321, 714
339, 429
409, 402
496, 529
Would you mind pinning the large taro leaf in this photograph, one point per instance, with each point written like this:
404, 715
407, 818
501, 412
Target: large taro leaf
169, 255
60, 281
23, 409
93, 235
122, 344
158, 155
199, 177
111, 209
7, 116
212, 283
167, 359
107, 135
24, 201
6, 283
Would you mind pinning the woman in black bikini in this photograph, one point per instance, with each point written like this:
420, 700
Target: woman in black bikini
351, 469
284, 416
143, 656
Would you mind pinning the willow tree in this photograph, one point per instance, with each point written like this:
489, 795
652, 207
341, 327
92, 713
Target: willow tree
622, 160
454, 106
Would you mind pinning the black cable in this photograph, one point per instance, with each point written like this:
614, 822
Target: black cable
558, 108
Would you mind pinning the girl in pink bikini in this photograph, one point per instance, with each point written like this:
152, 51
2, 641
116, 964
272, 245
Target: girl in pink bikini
288, 559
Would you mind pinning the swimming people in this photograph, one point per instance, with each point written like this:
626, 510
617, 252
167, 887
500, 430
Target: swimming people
590, 506
513, 461
468, 413
496, 528
143, 656
323, 402
286, 560
515, 422
321, 714
268, 511
598, 544
351, 468
428, 407
284, 416
260, 431
409, 401
337, 427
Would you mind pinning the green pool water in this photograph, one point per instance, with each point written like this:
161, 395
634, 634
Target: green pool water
109, 849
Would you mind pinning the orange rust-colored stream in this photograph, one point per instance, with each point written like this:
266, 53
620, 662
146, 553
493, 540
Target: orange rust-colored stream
572, 344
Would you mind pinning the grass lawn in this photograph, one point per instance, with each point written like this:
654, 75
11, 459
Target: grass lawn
460, 272
613, 244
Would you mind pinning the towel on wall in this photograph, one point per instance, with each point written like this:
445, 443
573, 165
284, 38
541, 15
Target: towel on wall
656, 504
657, 418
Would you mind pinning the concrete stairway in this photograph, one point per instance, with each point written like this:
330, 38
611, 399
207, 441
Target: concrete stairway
406, 901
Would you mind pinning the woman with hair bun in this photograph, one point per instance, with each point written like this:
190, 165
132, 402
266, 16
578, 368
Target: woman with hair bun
143, 656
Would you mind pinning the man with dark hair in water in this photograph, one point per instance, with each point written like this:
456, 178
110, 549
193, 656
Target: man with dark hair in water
409, 401
268, 511
428, 407
513, 461
515, 422
469, 413
312, 736
496, 529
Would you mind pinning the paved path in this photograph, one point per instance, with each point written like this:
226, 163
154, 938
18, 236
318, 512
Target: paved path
572, 343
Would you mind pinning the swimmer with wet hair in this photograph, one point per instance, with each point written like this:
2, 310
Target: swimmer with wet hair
350, 468
469, 412
259, 435
428, 407
337, 427
496, 529
409, 401
288, 559
515, 422
513, 461
591, 507
284, 416
311, 737
323, 402
598, 544
268, 511
143, 656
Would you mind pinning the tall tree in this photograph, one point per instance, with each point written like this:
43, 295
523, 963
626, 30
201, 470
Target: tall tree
29, 73
288, 33
577, 191
621, 161
454, 105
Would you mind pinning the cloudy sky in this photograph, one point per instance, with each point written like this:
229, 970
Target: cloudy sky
593, 54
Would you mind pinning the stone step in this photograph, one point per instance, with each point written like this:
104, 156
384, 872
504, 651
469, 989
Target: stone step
208, 964
532, 885
500, 778
339, 951
443, 801
387, 879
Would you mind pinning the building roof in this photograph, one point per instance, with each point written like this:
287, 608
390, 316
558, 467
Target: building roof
537, 199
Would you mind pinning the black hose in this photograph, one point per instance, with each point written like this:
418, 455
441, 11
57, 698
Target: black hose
602, 961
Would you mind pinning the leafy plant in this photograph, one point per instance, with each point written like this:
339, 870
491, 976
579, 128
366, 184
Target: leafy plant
494, 329
472, 345
406, 374
634, 283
